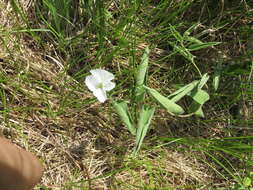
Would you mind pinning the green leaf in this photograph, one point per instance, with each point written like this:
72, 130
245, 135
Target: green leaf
200, 96
145, 117
165, 102
125, 116
191, 29
247, 182
193, 40
176, 34
139, 94
199, 112
196, 108
184, 52
216, 81
217, 75
142, 68
198, 46
182, 91
140, 76
203, 80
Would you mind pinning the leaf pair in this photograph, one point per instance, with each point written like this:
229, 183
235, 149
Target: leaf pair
144, 121
194, 90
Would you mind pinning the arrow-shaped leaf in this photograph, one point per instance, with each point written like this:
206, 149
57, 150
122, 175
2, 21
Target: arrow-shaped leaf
145, 117
125, 116
199, 98
176, 96
165, 102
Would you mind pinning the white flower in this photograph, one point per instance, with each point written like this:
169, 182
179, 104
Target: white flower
99, 82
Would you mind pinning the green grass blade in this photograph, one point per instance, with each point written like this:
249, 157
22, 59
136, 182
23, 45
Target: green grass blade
195, 47
203, 80
176, 34
193, 40
184, 52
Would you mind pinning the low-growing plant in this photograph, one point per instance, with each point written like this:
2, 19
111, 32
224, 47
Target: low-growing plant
138, 118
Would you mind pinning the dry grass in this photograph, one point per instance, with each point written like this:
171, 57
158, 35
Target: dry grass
75, 145
79, 142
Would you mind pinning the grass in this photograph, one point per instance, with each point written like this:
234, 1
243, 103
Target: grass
47, 49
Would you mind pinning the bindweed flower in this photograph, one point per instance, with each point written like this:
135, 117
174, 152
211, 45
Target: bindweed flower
99, 82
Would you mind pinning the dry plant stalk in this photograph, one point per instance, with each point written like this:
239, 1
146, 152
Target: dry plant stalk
19, 169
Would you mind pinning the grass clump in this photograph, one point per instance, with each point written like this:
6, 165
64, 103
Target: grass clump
47, 48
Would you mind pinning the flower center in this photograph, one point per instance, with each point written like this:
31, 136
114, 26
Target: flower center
100, 85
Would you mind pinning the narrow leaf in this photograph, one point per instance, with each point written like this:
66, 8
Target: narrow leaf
217, 75
185, 90
203, 80
125, 116
142, 68
165, 102
184, 52
194, 40
176, 34
140, 76
198, 46
145, 117
191, 29
139, 94
182, 89
216, 81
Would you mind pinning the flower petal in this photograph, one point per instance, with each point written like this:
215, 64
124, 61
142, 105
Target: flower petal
91, 82
109, 86
102, 75
100, 94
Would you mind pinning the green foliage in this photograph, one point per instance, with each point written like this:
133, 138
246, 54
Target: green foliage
217, 76
145, 117
194, 90
140, 76
168, 104
185, 43
85, 34
122, 110
59, 16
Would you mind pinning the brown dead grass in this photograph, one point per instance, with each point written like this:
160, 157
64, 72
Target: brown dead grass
76, 145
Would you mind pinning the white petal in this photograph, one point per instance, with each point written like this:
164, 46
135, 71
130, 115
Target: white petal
91, 82
100, 94
109, 86
102, 75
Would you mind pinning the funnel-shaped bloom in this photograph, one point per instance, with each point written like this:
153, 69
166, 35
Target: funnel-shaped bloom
99, 82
